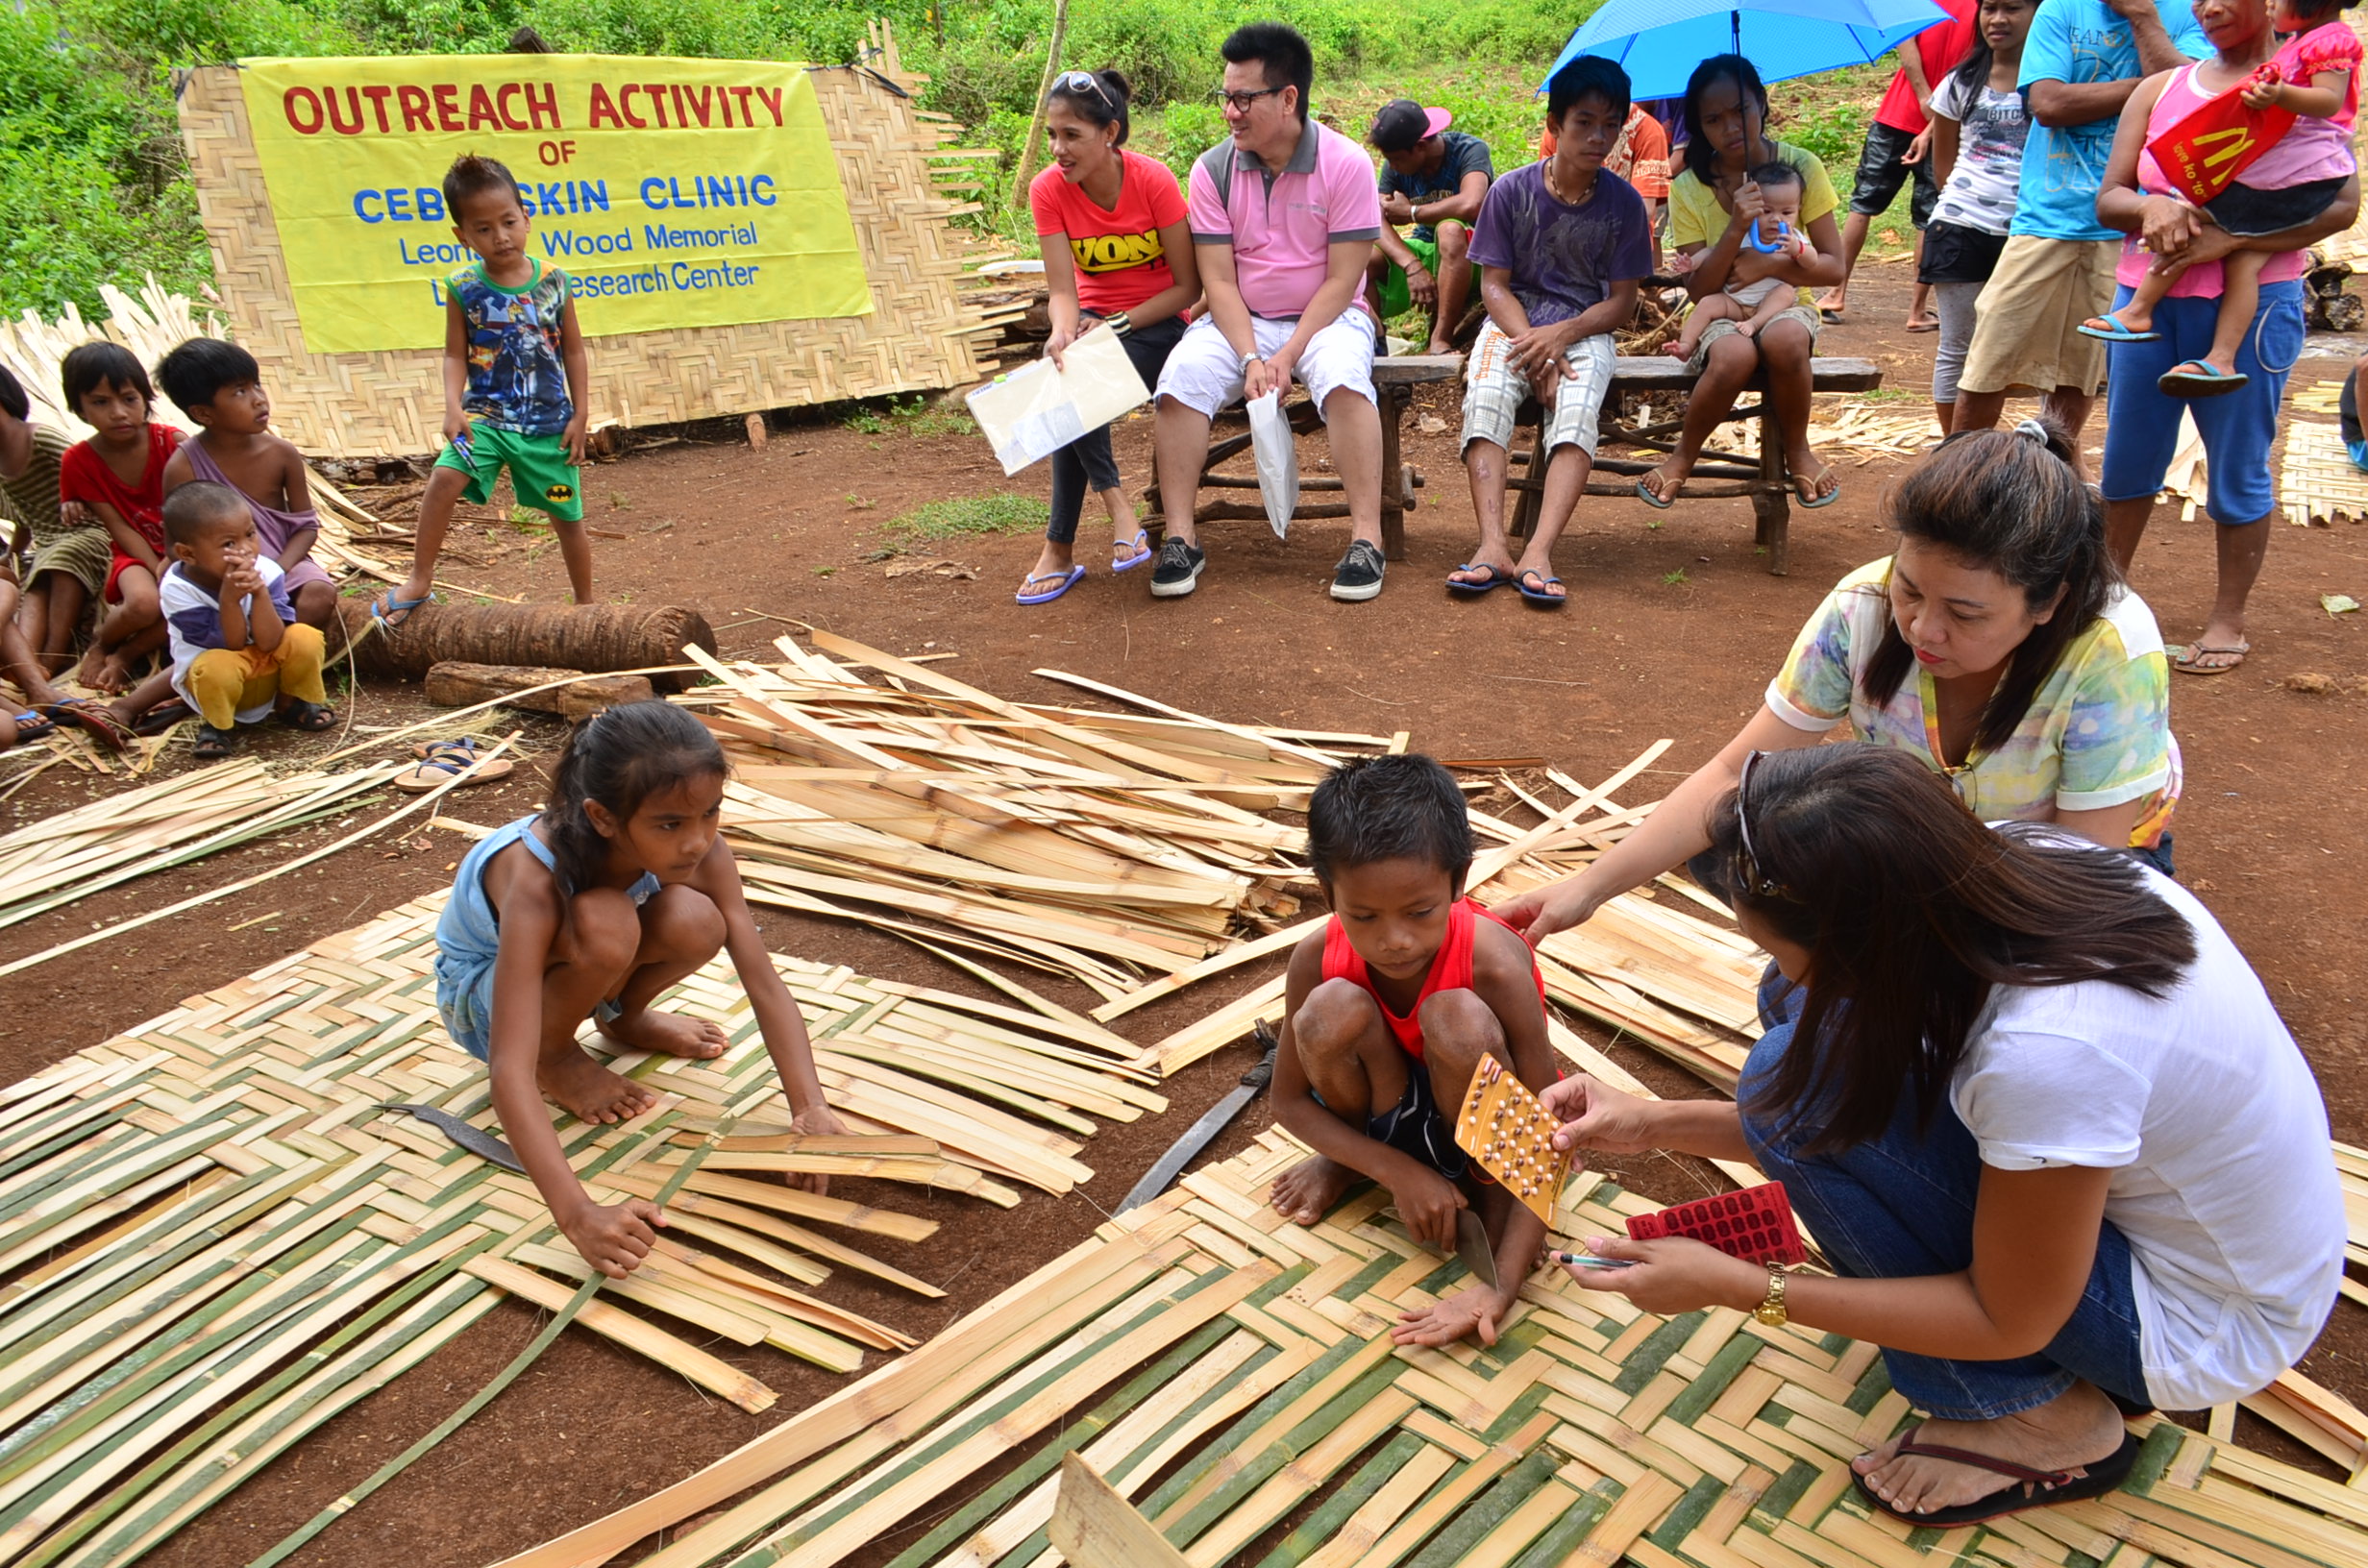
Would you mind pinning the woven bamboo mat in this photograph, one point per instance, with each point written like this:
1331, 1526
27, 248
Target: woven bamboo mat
2317, 482
220, 1239
1231, 1373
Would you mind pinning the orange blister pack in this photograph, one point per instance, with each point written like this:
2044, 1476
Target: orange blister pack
1506, 1129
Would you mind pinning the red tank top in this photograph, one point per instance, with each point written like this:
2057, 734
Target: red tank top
1450, 970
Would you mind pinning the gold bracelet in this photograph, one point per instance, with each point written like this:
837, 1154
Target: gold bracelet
1771, 1311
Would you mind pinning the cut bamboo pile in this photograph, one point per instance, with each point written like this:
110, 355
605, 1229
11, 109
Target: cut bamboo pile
1230, 1373
215, 1238
1097, 846
74, 853
149, 325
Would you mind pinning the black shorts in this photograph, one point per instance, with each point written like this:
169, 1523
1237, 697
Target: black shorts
1881, 174
2243, 209
1415, 1126
1954, 254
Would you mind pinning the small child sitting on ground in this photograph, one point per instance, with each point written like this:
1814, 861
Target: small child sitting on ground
1766, 272
1387, 1011
71, 551
2316, 75
238, 653
220, 386
120, 475
622, 886
514, 385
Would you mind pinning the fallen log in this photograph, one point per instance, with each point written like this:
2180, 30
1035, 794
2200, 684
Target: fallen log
596, 638
455, 684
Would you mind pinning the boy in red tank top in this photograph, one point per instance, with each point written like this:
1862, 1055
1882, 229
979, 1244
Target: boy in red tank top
1387, 1012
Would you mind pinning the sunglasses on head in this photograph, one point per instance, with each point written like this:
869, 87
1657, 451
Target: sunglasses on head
1086, 82
1749, 876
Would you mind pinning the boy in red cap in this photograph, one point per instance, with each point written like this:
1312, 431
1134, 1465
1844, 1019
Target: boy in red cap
1433, 178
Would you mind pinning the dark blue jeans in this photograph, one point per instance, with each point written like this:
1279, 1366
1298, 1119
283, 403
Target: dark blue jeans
1086, 466
1901, 1206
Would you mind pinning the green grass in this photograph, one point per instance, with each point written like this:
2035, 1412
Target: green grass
907, 416
969, 515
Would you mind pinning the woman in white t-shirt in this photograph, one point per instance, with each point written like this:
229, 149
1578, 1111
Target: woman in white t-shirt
1979, 126
2035, 1107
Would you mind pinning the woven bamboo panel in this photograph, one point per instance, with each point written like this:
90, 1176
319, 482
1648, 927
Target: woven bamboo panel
392, 403
1229, 1371
216, 1238
2317, 482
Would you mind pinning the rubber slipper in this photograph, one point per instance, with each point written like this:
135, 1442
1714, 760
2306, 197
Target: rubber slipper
163, 717
432, 772
213, 745
2185, 664
2042, 1490
1541, 595
1645, 492
2194, 379
466, 753
2113, 331
390, 612
468, 745
1928, 324
33, 726
92, 718
1473, 590
1065, 581
1829, 314
311, 718
1141, 545
1811, 504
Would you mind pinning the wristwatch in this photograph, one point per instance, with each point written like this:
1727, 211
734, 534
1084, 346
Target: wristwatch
1771, 1311
1250, 359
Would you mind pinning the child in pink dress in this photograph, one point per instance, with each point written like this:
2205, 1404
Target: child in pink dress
2316, 76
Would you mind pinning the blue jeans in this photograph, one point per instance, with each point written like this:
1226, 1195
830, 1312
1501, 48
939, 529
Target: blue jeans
1086, 466
1901, 1206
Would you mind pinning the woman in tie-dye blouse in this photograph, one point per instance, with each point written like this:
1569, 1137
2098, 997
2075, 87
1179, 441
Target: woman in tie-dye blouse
1999, 644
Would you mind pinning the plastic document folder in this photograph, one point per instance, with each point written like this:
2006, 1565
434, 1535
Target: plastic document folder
1036, 411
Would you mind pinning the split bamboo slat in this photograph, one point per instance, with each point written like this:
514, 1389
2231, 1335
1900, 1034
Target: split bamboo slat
215, 1238
1229, 1373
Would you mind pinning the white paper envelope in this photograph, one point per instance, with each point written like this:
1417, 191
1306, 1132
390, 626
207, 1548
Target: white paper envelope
1037, 409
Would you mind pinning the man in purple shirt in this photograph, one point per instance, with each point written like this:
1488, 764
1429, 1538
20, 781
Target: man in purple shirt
1284, 216
1562, 245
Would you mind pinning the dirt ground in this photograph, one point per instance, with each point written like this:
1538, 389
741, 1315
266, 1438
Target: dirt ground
1673, 630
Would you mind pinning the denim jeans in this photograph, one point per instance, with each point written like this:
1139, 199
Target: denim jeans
1086, 466
1901, 1206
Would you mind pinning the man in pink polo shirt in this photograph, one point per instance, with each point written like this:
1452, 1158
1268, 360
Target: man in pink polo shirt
1284, 215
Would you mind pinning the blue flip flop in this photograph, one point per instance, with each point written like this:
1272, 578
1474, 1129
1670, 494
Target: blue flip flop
1066, 579
2196, 379
1645, 493
33, 724
1811, 504
390, 612
1473, 590
1141, 545
2112, 332
1553, 601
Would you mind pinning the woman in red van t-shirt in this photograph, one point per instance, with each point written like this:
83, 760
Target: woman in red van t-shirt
1117, 248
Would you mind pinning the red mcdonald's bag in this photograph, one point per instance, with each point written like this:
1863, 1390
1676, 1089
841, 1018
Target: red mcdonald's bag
2203, 152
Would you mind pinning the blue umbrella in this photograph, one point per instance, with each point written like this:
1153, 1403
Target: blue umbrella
1660, 41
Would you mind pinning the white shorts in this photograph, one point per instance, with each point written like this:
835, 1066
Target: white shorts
1204, 373
1494, 389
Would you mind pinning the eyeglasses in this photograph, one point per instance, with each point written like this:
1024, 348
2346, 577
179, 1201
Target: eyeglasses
1240, 101
1085, 81
1749, 873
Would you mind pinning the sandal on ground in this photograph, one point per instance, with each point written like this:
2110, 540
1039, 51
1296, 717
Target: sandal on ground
2196, 379
2190, 658
2113, 331
463, 747
33, 726
1473, 590
1657, 503
1539, 595
1804, 489
1138, 551
163, 717
1062, 581
390, 612
454, 767
467, 755
92, 718
2042, 1489
309, 717
213, 745
1925, 324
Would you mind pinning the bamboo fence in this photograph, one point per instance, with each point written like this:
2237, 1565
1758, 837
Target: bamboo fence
216, 1236
1232, 1374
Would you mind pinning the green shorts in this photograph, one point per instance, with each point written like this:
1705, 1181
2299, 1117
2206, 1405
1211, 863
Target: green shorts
1396, 299
539, 470
84, 555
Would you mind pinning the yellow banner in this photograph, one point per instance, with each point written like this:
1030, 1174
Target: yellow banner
673, 192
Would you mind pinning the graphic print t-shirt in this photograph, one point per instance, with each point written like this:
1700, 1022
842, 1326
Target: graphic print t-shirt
516, 380
1116, 251
1987, 181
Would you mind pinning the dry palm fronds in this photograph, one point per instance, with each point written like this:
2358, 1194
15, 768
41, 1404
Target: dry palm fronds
216, 1238
62, 858
1091, 845
149, 325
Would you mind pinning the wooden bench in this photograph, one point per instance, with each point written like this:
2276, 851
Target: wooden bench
1766, 482
1395, 379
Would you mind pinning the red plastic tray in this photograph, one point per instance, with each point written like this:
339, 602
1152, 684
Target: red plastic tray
1754, 1224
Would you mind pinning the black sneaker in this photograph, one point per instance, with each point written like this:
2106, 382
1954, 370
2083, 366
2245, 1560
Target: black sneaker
1358, 577
1178, 571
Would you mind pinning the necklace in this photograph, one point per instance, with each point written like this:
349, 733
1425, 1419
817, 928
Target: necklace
1554, 191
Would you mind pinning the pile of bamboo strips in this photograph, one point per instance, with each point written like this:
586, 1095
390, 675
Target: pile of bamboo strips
1230, 1372
216, 1236
120, 837
150, 326
1091, 845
